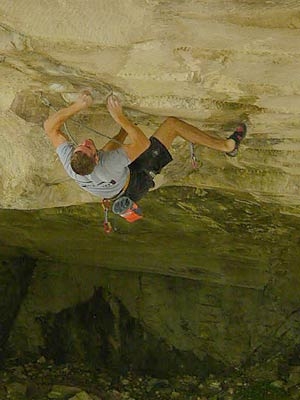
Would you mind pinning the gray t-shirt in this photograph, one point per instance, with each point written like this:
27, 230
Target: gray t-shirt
109, 175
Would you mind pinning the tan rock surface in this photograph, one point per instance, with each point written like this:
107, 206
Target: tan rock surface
213, 63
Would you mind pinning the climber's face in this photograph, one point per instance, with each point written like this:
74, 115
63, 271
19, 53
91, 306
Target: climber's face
88, 147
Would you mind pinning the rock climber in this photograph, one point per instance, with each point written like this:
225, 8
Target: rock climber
119, 169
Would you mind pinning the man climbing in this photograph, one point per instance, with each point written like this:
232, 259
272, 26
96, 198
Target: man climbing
126, 169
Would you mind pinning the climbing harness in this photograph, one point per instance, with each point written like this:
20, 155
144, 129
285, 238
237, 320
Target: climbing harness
193, 156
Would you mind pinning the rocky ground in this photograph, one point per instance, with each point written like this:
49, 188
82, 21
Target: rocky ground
43, 380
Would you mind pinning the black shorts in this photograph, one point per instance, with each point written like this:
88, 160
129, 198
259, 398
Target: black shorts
145, 167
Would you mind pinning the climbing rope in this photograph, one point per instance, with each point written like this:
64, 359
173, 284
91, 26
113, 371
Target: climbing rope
47, 103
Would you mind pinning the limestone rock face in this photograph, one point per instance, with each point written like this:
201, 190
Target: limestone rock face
212, 270
212, 63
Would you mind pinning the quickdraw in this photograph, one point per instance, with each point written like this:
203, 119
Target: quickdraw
193, 156
106, 224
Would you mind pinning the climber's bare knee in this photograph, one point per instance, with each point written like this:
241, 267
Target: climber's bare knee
166, 133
